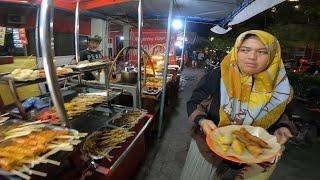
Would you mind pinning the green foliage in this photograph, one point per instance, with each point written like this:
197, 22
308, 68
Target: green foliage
302, 81
289, 33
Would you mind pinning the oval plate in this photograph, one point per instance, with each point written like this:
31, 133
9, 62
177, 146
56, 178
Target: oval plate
246, 157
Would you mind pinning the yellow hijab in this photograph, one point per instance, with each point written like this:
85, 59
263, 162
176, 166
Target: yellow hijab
262, 103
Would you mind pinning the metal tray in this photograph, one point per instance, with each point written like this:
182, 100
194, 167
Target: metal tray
145, 91
91, 68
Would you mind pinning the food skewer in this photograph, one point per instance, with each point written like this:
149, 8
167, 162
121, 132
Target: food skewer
5, 114
20, 174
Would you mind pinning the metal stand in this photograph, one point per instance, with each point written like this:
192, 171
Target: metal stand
165, 72
45, 33
183, 44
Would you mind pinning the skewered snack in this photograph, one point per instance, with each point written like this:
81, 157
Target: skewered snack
19, 154
20, 130
26, 149
48, 115
102, 142
3, 118
73, 108
128, 120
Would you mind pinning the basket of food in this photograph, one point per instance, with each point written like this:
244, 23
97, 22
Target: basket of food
243, 144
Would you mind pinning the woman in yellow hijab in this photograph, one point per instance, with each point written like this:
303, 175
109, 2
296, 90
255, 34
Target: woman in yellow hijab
251, 88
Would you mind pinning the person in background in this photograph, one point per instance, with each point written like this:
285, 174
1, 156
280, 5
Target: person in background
186, 58
200, 58
194, 59
91, 54
249, 88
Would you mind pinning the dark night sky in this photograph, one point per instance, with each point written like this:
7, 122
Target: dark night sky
202, 29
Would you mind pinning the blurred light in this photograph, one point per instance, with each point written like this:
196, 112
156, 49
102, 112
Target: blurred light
157, 57
296, 6
274, 9
212, 38
178, 44
177, 24
293, 0
121, 38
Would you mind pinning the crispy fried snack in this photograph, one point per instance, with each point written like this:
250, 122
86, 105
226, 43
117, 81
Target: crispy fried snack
253, 147
254, 150
237, 146
254, 139
223, 142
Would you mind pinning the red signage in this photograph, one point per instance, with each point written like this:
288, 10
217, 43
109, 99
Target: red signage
150, 38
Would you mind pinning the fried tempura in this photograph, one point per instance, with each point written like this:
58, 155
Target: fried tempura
254, 150
254, 138
224, 142
237, 146
250, 142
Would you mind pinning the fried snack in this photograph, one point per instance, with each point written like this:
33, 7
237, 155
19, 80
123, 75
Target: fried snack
242, 138
226, 139
254, 150
223, 142
253, 147
237, 146
254, 138
24, 150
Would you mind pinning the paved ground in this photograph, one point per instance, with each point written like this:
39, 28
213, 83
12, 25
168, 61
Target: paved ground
165, 157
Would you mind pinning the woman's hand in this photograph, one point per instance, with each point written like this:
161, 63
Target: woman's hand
283, 134
207, 126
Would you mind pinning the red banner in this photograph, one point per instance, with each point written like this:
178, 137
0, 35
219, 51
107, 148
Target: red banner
150, 38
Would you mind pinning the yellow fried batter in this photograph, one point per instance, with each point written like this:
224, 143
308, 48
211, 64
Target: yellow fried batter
237, 146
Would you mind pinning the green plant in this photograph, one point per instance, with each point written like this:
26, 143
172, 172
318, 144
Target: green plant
301, 82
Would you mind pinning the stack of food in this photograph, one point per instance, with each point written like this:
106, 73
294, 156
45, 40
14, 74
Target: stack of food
63, 71
242, 140
102, 142
154, 82
25, 74
128, 120
22, 150
82, 104
30, 75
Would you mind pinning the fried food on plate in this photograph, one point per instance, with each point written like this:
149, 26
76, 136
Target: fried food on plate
254, 150
254, 144
224, 142
254, 139
237, 147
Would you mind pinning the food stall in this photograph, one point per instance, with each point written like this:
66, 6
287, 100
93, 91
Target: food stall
83, 135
